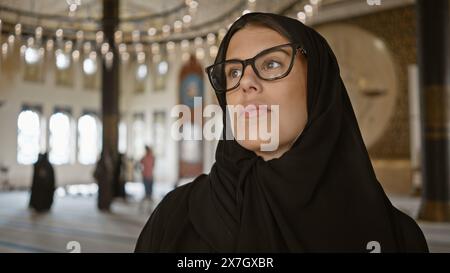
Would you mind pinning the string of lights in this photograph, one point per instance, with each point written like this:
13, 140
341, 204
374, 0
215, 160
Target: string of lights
151, 38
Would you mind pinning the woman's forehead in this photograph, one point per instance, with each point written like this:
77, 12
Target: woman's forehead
251, 40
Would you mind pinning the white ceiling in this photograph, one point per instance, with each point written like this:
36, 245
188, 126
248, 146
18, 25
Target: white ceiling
207, 11
206, 8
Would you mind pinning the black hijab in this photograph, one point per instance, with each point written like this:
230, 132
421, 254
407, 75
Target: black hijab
320, 195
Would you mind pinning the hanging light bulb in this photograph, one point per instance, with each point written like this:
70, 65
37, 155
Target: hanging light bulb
125, 56
122, 48
99, 36
198, 41
211, 38
18, 29
41, 52
170, 46
163, 67
141, 72
80, 36
75, 55
109, 58
31, 53
62, 60
301, 16
59, 34
68, 46
104, 48
151, 31
142, 69
87, 47
221, 34
139, 47
308, 10
73, 2
11, 40
141, 57
185, 45
93, 55
23, 48
166, 30
155, 48
200, 53
177, 26
4, 49
30, 41
136, 36
187, 19
118, 37
72, 7
193, 5
213, 51
50, 44
90, 63
38, 34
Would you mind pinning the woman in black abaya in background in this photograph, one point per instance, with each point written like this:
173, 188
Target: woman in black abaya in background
43, 185
316, 192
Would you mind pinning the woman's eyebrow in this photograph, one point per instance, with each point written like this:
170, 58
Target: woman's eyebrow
283, 50
273, 48
262, 51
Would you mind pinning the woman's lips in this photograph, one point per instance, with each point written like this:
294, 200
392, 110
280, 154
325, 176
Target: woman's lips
252, 110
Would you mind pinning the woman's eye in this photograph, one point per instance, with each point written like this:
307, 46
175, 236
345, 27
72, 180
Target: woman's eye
235, 73
271, 65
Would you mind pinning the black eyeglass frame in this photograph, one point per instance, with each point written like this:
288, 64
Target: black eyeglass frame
251, 61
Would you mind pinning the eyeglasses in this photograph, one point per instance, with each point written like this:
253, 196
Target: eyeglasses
270, 64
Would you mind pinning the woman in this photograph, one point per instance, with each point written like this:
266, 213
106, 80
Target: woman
316, 192
43, 185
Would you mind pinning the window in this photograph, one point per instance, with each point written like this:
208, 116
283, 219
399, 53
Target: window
59, 138
162, 68
28, 136
138, 136
159, 131
122, 137
89, 139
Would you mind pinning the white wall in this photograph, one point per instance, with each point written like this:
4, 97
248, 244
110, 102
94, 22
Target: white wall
15, 92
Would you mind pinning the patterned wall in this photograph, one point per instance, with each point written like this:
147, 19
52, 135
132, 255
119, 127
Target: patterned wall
397, 28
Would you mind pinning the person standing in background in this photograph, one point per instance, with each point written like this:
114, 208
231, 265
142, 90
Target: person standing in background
43, 185
104, 175
147, 164
120, 177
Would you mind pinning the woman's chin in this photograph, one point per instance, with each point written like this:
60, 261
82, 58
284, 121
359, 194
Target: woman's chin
257, 146
251, 145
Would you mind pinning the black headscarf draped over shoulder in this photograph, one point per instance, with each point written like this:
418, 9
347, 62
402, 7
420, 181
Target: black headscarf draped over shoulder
321, 195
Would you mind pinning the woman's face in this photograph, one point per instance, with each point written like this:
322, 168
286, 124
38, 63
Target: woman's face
289, 93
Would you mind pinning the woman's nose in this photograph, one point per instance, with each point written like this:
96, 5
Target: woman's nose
249, 81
